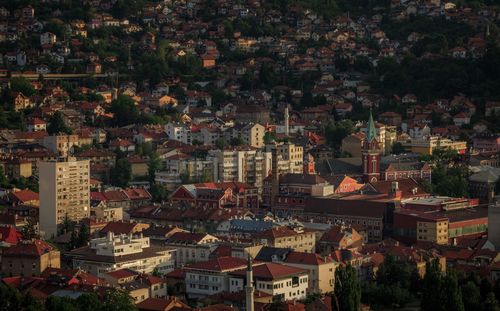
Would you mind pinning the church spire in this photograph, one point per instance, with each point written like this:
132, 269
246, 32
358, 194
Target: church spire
371, 132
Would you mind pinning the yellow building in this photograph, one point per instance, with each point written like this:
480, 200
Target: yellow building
30, 258
427, 145
297, 238
321, 270
433, 231
64, 193
61, 144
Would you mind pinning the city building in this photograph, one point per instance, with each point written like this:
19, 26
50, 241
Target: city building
115, 252
61, 145
440, 220
29, 258
65, 188
191, 247
242, 164
321, 270
293, 237
211, 277
278, 280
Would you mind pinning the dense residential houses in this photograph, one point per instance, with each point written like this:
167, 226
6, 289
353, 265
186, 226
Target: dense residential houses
233, 156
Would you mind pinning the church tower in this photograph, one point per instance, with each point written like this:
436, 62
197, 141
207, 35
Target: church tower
371, 153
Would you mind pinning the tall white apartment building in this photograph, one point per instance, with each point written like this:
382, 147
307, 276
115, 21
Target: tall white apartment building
243, 164
64, 192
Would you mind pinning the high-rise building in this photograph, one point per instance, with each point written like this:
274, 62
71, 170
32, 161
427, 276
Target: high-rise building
64, 193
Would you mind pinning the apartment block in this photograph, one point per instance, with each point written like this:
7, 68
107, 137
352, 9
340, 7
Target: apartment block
64, 193
243, 164
114, 252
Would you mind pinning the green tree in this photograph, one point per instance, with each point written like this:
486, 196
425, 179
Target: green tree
269, 137
23, 85
54, 303
118, 300
124, 111
10, 298
88, 302
491, 303
83, 235
221, 143
29, 230
347, 289
154, 165
397, 148
432, 285
121, 174
451, 292
159, 193
57, 125
4, 182
236, 141
471, 296
335, 132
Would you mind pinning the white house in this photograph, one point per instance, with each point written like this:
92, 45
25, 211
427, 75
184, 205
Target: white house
287, 282
47, 38
211, 277
179, 132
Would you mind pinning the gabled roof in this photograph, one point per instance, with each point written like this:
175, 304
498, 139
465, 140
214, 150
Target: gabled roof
118, 227
307, 259
272, 271
160, 304
34, 248
186, 237
9, 234
276, 233
221, 264
122, 273
24, 196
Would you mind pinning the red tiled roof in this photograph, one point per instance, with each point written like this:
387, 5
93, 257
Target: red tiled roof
34, 248
272, 271
118, 227
176, 274
137, 193
115, 195
9, 235
276, 233
307, 258
25, 196
159, 304
122, 273
219, 264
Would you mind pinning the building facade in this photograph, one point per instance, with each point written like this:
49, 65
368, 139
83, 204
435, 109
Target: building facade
65, 186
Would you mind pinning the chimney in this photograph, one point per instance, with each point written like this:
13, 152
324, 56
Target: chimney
395, 193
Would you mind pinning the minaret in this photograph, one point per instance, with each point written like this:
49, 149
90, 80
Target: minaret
249, 288
130, 64
287, 125
371, 153
275, 175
